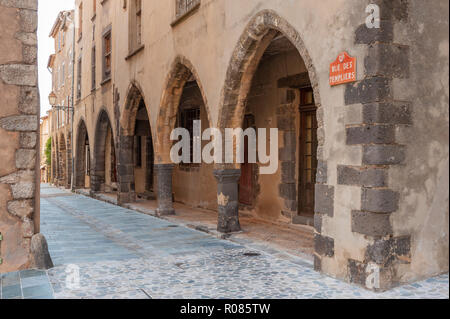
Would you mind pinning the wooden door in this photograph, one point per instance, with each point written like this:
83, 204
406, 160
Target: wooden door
308, 153
246, 182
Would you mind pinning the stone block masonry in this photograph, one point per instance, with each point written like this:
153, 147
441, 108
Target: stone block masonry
21, 246
385, 62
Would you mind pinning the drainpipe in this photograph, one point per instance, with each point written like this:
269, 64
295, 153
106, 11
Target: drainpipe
72, 184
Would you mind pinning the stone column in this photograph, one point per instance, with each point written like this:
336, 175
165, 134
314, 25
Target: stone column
19, 139
126, 187
149, 164
228, 200
164, 189
97, 175
68, 181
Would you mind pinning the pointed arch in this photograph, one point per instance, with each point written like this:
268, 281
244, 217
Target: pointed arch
136, 139
129, 112
82, 154
263, 30
244, 62
103, 131
181, 71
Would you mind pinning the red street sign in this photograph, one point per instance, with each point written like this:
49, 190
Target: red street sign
343, 70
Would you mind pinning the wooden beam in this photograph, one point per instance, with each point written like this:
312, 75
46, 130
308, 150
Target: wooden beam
300, 80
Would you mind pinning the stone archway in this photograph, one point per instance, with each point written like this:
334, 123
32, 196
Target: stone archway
104, 173
83, 158
136, 154
252, 45
182, 71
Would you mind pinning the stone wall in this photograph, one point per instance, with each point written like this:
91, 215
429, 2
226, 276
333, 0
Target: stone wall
422, 182
19, 135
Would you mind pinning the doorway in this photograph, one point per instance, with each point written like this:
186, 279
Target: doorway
308, 144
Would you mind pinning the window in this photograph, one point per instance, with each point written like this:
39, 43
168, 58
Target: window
138, 22
93, 69
80, 21
185, 6
63, 74
79, 79
59, 77
59, 41
94, 7
69, 73
135, 25
107, 55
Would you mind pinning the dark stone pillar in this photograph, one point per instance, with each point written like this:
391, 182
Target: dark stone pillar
228, 200
126, 187
68, 184
97, 174
149, 164
164, 189
96, 183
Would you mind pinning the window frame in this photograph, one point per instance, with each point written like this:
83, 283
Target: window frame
79, 73
185, 116
80, 21
93, 68
190, 6
135, 40
107, 72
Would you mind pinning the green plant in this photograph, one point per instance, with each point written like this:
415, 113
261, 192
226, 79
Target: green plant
48, 152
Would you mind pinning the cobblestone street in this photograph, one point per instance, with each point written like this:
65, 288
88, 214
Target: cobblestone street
124, 254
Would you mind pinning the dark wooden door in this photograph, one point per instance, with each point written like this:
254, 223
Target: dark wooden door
246, 182
308, 153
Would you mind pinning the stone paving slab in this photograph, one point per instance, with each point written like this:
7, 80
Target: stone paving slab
26, 284
102, 251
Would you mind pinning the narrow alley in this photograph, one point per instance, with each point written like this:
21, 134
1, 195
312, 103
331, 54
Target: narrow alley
104, 251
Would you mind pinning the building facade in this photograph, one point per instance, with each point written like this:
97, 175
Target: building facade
364, 164
21, 245
45, 168
61, 66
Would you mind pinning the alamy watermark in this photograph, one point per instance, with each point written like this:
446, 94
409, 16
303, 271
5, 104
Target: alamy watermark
373, 20
73, 277
260, 148
373, 276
